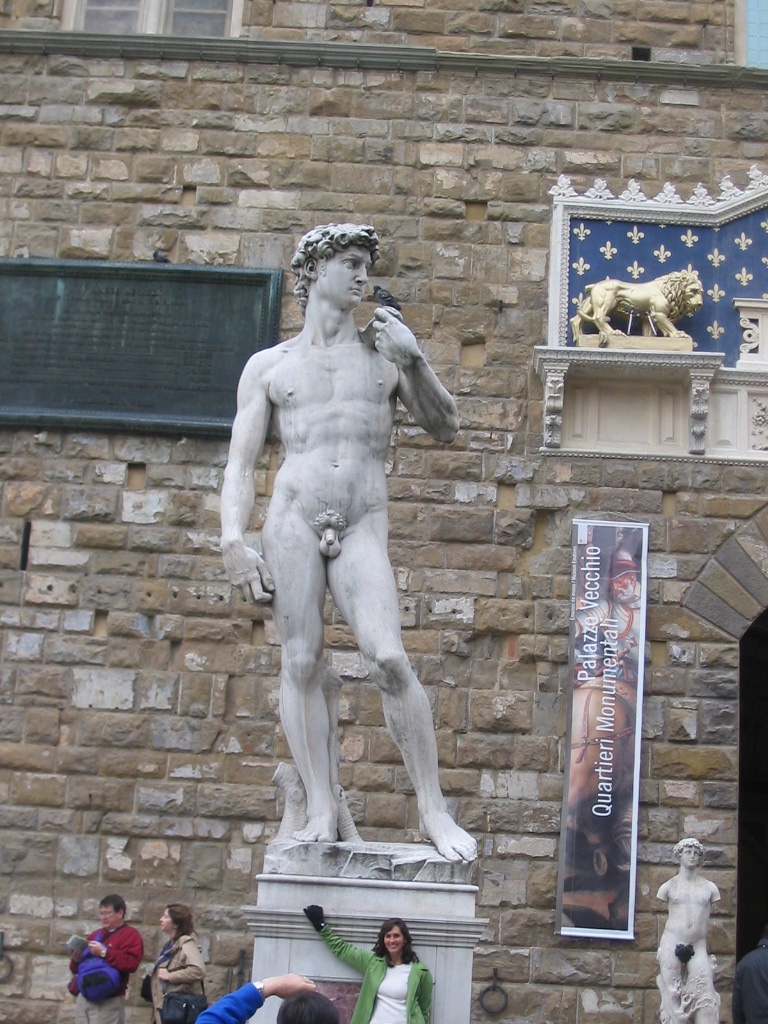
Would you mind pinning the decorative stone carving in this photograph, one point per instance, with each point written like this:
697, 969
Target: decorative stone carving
563, 189
699, 411
656, 305
751, 334
753, 321
599, 190
759, 424
554, 390
686, 972
633, 193
668, 196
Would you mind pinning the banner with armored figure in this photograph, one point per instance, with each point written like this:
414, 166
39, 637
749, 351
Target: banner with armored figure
598, 836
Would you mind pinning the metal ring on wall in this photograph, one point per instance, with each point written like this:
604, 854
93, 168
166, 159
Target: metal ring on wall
494, 987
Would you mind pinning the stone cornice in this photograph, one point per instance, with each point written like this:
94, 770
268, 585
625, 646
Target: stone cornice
377, 57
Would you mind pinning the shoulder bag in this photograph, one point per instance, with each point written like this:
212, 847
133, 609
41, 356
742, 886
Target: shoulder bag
183, 1007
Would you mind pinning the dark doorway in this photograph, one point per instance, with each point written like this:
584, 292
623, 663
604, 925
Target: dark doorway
752, 897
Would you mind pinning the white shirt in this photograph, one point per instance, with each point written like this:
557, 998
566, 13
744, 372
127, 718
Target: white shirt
389, 1007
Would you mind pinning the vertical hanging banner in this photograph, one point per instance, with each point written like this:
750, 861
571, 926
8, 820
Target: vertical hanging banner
598, 831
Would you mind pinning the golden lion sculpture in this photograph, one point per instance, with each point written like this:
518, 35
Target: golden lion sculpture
656, 305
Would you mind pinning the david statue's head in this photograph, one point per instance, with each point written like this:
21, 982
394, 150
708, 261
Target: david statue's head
325, 242
689, 851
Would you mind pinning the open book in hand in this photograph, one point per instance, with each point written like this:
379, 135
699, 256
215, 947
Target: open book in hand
76, 943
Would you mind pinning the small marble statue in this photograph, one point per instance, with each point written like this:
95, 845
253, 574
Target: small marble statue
652, 306
686, 978
329, 395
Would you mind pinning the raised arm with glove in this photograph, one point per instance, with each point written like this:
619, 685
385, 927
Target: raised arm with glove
316, 916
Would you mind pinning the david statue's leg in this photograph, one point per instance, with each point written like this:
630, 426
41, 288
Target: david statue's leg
409, 719
363, 587
304, 714
297, 608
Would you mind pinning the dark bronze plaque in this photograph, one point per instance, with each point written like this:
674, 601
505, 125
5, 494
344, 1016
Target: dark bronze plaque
129, 346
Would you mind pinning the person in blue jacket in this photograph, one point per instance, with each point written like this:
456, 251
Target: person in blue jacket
303, 1003
397, 987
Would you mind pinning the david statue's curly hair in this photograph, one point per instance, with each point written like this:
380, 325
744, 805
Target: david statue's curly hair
324, 242
685, 844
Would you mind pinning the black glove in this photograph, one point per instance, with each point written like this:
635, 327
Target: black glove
315, 915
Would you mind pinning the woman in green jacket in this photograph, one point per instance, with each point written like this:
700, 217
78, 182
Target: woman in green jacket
397, 987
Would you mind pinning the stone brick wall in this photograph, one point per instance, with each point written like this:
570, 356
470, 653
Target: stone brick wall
139, 728
700, 32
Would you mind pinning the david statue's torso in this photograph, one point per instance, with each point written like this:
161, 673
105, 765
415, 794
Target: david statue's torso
333, 410
689, 903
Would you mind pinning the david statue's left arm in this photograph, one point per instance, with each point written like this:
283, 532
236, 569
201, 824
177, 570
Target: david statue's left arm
419, 390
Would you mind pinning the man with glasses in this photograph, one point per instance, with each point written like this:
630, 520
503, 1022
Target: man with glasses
120, 947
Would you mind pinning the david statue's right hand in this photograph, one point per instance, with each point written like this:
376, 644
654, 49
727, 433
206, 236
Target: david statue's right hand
247, 569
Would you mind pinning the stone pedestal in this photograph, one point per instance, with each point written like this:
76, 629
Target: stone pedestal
359, 885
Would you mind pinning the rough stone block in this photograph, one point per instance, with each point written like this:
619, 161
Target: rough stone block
103, 688
694, 762
78, 856
52, 590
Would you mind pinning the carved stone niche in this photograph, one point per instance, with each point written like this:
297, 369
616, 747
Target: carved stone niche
643, 403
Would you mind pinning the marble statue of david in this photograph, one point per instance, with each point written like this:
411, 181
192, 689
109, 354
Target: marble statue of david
330, 399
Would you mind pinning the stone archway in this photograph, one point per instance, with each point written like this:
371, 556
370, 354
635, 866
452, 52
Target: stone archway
731, 593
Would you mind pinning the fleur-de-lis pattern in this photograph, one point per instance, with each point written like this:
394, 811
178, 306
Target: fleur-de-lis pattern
731, 258
581, 232
580, 267
716, 257
635, 270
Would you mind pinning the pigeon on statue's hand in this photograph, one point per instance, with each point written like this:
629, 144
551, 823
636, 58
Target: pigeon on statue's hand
384, 298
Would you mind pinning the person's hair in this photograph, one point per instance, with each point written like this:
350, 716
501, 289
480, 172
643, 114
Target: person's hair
308, 1008
323, 243
684, 844
181, 915
409, 954
116, 902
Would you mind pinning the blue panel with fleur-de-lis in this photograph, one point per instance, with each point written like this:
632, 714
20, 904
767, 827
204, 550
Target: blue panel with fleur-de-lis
731, 261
